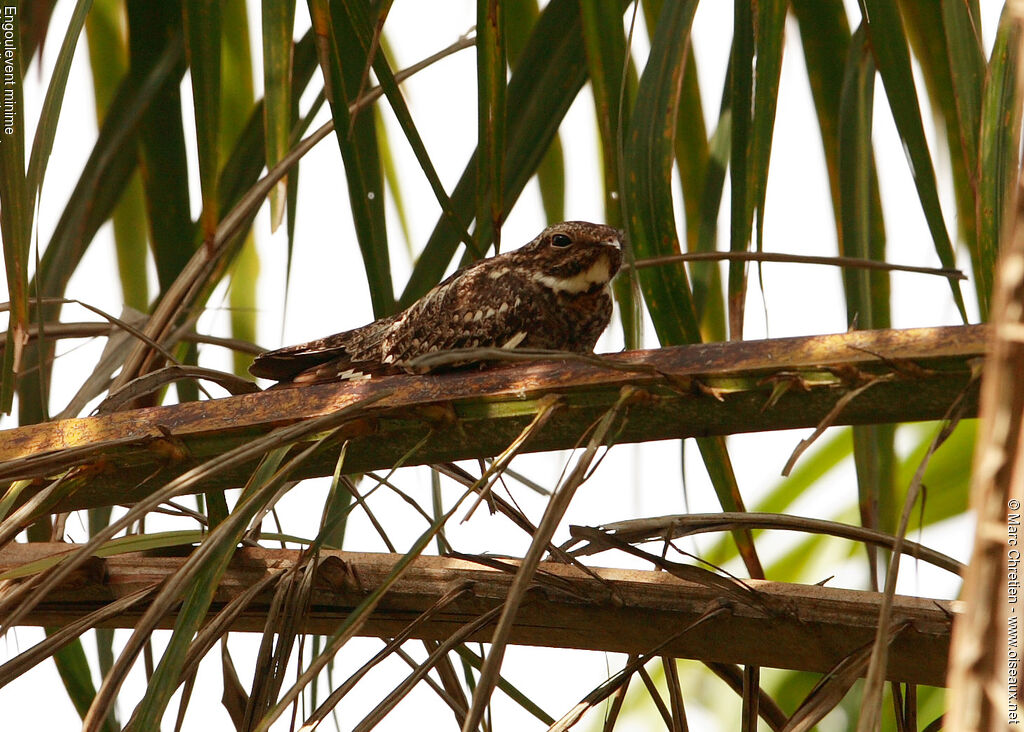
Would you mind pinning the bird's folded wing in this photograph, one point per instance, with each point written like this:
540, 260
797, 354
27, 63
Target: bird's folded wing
359, 348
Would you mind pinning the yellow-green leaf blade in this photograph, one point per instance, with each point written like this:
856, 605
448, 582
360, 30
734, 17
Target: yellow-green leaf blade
278, 21
889, 45
202, 20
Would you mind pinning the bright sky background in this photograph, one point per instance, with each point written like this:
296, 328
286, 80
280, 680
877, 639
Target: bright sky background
332, 296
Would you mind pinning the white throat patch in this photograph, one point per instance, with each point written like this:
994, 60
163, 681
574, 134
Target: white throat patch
597, 274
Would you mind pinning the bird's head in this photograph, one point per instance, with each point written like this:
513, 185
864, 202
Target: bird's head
573, 257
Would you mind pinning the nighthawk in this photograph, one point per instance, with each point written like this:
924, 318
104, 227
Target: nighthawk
551, 293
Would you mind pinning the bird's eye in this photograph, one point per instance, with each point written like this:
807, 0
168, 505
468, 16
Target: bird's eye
561, 241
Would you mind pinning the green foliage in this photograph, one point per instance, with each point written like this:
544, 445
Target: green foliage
652, 124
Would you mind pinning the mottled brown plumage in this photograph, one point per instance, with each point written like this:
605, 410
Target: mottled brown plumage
551, 293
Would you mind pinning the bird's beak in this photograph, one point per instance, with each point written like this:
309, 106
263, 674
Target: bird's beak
617, 242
